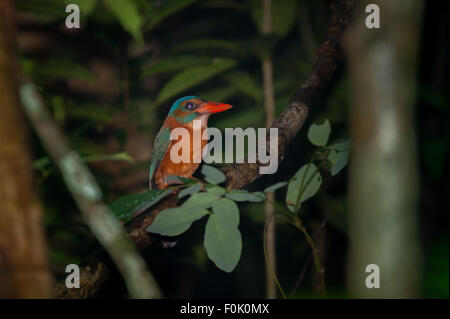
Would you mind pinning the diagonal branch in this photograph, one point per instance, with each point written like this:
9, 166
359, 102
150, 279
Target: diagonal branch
289, 122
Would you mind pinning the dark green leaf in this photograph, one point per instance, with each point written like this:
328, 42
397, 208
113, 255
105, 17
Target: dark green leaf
341, 146
193, 76
274, 187
216, 191
319, 134
212, 174
127, 12
307, 181
171, 64
174, 221
223, 241
283, 15
339, 162
158, 14
127, 206
190, 190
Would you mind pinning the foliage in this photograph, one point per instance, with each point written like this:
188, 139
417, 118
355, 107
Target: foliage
222, 239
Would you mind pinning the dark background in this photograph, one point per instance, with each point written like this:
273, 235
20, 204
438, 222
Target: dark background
101, 85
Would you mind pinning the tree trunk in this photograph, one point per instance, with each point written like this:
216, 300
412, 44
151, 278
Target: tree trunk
24, 271
383, 168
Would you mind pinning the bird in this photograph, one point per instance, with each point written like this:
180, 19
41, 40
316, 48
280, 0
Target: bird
182, 113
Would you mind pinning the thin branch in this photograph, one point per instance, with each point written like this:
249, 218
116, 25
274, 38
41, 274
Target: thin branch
291, 120
87, 194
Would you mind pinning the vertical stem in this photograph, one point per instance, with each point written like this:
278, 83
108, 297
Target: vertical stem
383, 171
269, 106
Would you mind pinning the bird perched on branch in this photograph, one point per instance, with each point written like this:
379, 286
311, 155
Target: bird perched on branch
182, 114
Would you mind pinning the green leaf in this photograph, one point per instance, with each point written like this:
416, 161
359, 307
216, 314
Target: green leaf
174, 221
241, 195
319, 134
86, 6
344, 145
256, 197
223, 241
238, 195
193, 76
127, 12
126, 206
244, 83
174, 64
212, 174
339, 162
202, 45
158, 14
307, 181
283, 14
189, 190
54, 69
274, 187
216, 191
200, 201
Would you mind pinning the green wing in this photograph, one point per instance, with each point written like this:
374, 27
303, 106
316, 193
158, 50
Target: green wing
162, 142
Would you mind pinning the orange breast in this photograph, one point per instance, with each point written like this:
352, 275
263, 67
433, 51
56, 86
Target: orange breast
168, 167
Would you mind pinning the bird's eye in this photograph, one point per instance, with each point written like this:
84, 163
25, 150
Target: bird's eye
190, 105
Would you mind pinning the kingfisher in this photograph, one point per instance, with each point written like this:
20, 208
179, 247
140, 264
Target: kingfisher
182, 113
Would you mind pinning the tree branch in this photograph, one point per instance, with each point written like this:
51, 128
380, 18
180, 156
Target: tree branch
88, 196
289, 122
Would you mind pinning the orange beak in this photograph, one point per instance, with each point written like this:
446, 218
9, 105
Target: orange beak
213, 107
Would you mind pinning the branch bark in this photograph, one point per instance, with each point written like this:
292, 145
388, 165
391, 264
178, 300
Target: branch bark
88, 196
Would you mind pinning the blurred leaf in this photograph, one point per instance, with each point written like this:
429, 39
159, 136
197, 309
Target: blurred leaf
212, 174
319, 134
94, 112
303, 182
171, 64
86, 6
193, 76
126, 206
174, 221
201, 45
221, 93
48, 10
274, 187
244, 118
190, 190
339, 162
283, 14
59, 70
223, 241
223, 4
344, 145
245, 84
127, 12
158, 14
